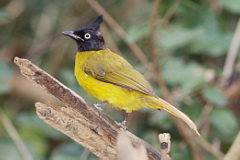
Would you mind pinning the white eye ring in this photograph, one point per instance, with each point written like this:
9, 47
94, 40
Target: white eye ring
87, 36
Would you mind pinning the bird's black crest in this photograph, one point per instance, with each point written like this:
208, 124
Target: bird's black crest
96, 23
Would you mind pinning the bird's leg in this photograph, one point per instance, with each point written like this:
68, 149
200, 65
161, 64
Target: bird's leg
97, 105
159, 109
124, 122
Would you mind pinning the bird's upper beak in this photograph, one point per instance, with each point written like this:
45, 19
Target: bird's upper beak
72, 35
68, 33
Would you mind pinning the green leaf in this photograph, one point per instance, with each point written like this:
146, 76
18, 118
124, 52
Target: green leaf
137, 32
212, 41
172, 71
231, 5
193, 77
193, 109
215, 96
205, 38
160, 119
224, 121
188, 76
177, 36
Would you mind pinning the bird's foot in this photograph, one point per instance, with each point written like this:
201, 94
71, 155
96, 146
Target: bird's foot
98, 108
122, 124
97, 105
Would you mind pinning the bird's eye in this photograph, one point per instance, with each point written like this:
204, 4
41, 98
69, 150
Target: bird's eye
87, 36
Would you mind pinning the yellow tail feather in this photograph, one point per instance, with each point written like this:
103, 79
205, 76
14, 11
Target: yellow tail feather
174, 111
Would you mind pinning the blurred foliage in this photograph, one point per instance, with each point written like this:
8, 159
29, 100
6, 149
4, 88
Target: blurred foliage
215, 96
175, 72
6, 73
192, 47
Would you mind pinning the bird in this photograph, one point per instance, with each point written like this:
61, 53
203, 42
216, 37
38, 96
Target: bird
109, 78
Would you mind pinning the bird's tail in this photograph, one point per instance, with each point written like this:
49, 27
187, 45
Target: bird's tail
161, 104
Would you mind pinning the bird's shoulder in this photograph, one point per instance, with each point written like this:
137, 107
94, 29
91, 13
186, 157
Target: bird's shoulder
109, 67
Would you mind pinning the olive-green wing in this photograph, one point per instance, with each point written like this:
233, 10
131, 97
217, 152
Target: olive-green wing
112, 68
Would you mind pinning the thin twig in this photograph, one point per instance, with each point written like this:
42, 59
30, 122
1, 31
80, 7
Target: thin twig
233, 153
151, 38
14, 9
207, 109
209, 148
157, 73
84, 154
205, 124
15, 137
166, 18
232, 53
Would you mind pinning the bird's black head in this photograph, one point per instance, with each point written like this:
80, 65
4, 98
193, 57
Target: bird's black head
88, 38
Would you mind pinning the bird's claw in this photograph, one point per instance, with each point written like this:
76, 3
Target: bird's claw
122, 124
96, 105
98, 108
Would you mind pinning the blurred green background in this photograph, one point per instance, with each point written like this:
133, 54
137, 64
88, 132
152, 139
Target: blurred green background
192, 39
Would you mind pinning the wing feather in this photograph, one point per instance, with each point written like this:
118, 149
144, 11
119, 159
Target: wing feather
112, 68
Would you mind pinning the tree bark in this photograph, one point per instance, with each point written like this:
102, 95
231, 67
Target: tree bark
83, 123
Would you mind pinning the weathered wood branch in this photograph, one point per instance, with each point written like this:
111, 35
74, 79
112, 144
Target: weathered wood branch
78, 120
165, 145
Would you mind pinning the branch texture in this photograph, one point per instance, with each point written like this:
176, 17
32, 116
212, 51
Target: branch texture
81, 122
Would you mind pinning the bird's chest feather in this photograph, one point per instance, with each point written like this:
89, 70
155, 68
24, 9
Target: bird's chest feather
117, 96
91, 85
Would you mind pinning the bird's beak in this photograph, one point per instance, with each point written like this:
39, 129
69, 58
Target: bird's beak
72, 35
68, 33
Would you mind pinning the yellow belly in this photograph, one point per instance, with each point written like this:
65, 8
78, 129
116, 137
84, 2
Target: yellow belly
118, 97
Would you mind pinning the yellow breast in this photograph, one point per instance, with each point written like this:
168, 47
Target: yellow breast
118, 97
